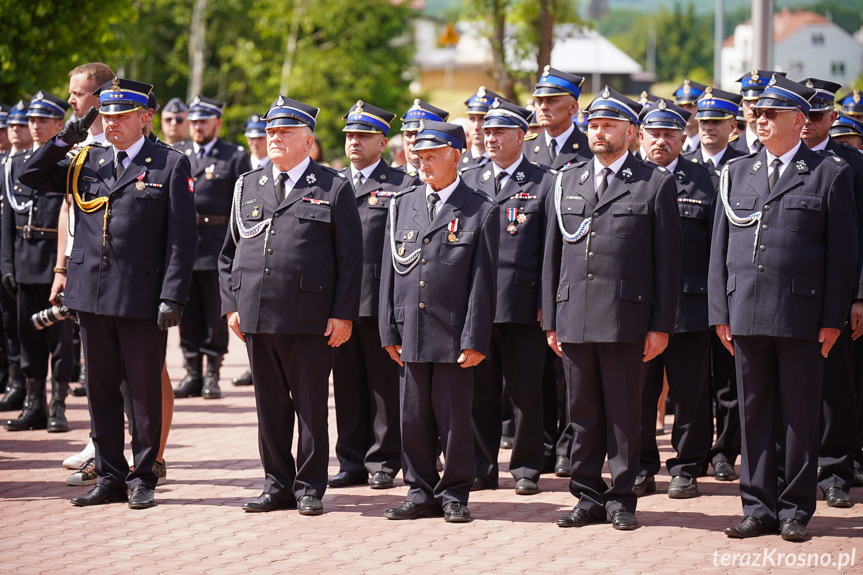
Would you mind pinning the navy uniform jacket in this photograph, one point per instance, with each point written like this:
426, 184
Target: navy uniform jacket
468, 159
149, 248
303, 269
575, 149
696, 202
625, 281
695, 157
374, 210
854, 157
519, 268
445, 304
214, 176
798, 276
30, 260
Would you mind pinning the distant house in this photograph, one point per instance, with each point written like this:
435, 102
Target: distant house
804, 44
467, 63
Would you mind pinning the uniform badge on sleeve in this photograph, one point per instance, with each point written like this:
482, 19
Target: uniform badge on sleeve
191, 186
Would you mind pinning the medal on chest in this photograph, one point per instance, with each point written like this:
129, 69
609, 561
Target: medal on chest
208, 171
511, 217
453, 228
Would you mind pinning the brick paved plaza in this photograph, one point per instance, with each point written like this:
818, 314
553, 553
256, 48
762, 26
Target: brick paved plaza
213, 467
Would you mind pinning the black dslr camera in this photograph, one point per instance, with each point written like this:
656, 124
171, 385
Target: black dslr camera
49, 316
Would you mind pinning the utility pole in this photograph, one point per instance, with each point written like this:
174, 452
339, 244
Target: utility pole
762, 34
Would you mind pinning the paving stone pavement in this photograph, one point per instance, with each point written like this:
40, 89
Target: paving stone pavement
213, 467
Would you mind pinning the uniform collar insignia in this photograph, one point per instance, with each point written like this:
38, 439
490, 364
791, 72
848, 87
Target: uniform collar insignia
486, 175
263, 180
583, 177
188, 152
148, 160
756, 166
214, 151
626, 172
519, 176
311, 179
801, 166
383, 177
838, 159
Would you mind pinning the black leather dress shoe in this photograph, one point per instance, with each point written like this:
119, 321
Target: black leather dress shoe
245, 379
623, 520
381, 480
505, 442
793, 530
266, 502
562, 466
644, 484
525, 486
858, 477
481, 483
310, 505
455, 512
837, 497
724, 471
141, 497
410, 510
578, 517
682, 487
101, 494
749, 526
347, 479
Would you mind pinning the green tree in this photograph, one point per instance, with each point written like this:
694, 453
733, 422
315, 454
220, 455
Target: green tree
41, 40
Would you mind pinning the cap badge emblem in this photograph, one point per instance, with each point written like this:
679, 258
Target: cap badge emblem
280, 101
605, 93
772, 80
481, 92
546, 70
196, 101
256, 118
753, 75
496, 103
422, 125
661, 105
856, 96
416, 105
39, 95
809, 84
19, 106
359, 107
115, 84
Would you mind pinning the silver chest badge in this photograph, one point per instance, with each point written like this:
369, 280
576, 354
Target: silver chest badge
262, 181
756, 166
519, 176
311, 179
486, 175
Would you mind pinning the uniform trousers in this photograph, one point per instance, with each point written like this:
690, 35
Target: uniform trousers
686, 362
291, 377
557, 440
838, 416
726, 446
202, 329
516, 359
366, 390
604, 383
9, 315
779, 386
436, 403
38, 347
110, 343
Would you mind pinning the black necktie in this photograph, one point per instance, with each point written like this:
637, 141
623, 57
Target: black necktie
774, 175
603, 183
497, 179
358, 180
552, 149
280, 187
432, 199
758, 145
120, 167
710, 163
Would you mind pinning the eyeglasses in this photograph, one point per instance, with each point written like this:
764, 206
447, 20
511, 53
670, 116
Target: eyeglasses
816, 116
175, 120
770, 113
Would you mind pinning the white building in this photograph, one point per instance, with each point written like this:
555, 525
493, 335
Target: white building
804, 44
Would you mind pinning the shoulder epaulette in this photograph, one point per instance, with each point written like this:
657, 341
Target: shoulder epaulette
404, 191
258, 169
333, 171
483, 195
530, 137
470, 167
571, 166
734, 138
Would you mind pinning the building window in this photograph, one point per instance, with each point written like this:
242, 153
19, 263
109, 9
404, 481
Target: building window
818, 39
838, 68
